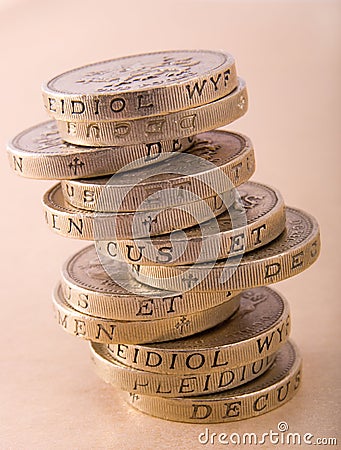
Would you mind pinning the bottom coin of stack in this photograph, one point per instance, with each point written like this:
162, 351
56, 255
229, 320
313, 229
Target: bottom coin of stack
272, 389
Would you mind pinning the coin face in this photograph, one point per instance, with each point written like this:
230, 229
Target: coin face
40, 152
267, 392
292, 252
137, 72
258, 329
226, 237
217, 161
89, 289
140, 85
85, 270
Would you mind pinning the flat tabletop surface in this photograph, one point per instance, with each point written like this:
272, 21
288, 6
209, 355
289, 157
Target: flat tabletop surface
289, 55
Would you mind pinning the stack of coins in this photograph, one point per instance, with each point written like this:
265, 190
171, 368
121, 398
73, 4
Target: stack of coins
173, 293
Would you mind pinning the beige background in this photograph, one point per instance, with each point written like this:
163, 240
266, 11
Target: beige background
289, 54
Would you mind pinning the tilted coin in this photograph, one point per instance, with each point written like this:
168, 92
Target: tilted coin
218, 160
291, 253
167, 126
39, 152
257, 330
267, 392
89, 289
140, 85
265, 220
165, 385
68, 221
107, 331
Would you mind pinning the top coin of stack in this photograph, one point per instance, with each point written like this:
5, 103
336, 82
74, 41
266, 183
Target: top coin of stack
135, 111
146, 98
140, 85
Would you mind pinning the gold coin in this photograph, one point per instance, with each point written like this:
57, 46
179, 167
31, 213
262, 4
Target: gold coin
140, 85
265, 220
89, 289
257, 330
39, 152
163, 127
267, 392
290, 254
184, 385
107, 331
218, 160
68, 221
